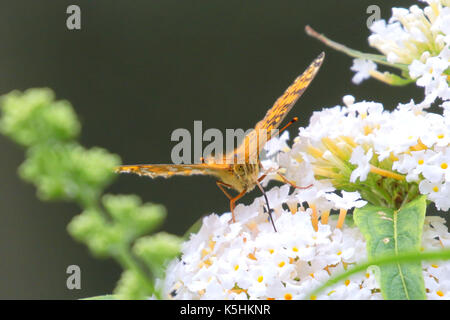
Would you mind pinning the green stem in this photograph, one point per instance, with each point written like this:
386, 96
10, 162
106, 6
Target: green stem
123, 254
412, 192
352, 52
129, 263
386, 196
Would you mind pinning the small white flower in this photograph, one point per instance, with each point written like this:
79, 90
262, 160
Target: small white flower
348, 100
348, 200
276, 144
437, 192
362, 160
362, 68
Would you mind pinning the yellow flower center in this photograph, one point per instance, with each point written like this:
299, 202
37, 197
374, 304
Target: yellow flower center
205, 252
288, 296
367, 130
260, 278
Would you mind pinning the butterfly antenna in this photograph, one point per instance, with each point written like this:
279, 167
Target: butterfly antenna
278, 132
269, 210
295, 119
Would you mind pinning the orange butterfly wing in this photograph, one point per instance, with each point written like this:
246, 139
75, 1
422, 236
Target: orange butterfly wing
169, 170
248, 151
254, 142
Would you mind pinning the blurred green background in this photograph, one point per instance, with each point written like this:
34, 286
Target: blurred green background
136, 71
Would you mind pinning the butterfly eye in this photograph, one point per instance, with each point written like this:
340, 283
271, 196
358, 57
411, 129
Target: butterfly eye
240, 169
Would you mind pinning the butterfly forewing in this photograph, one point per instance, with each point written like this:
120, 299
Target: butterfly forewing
254, 142
244, 177
169, 170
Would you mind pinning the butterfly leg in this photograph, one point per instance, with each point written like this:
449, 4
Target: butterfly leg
221, 186
293, 184
269, 210
233, 201
261, 178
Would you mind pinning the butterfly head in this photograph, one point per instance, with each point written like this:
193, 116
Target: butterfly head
245, 175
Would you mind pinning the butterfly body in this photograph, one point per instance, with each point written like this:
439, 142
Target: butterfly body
242, 176
239, 169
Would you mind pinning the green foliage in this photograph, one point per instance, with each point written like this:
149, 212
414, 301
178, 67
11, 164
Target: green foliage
116, 226
157, 250
128, 220
133, 286
389, 232
382, 261
33, 117
67, 171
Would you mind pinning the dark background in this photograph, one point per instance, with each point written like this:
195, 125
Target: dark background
136, 71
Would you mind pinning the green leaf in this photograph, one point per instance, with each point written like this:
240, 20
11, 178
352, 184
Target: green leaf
390, 232
193, 228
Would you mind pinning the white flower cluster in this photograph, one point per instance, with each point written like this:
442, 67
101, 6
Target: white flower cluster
407, 144
418, 38
248, 260
436, 275
383, 157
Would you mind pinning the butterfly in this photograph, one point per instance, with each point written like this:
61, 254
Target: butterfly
242, 176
